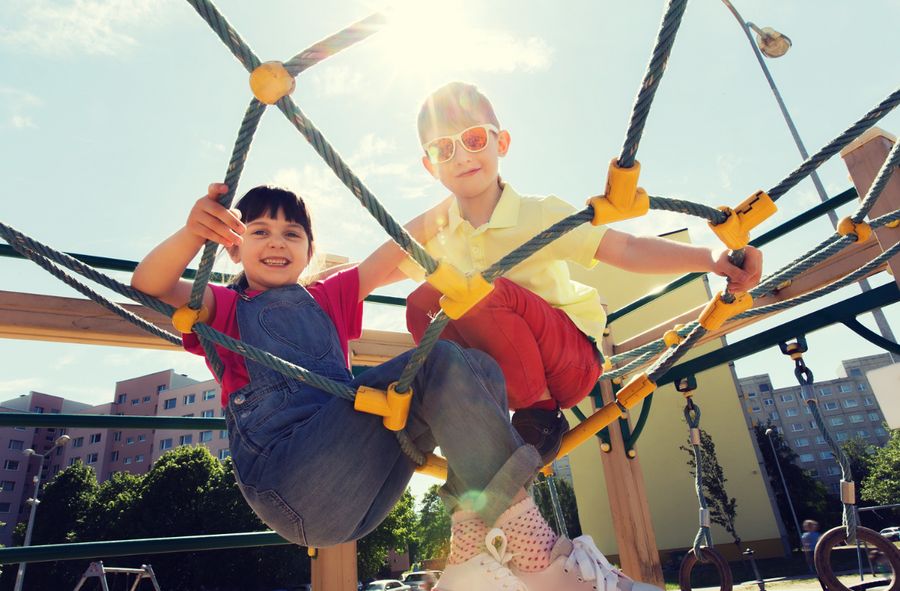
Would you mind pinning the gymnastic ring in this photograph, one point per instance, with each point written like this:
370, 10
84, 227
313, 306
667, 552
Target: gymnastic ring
709, 555
838, 537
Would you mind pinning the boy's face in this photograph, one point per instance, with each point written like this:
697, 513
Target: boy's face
468, 174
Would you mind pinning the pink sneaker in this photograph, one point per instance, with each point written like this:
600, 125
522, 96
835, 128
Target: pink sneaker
578, 565
485, 572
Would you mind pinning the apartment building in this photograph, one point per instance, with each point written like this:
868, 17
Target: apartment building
200, 399
847, 404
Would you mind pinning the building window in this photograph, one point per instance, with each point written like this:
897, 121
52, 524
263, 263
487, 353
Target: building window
857, 418
751, 394
95, 438
161, 388
868, 401
831, 405
190, 399
837, 421
128, 460
841, 436
4, 507
121, 398
755, 408
114, 456
825, 391
861, 387
806, 410
186, 440
820, 439
833, 470
792, 412
135, 401
72, 461
205, 436
768, 402
169, 403
813, 426
92, 458
845, 388
787, 397
16, 444
78, 442
142, 438
764, 387
138, 458
208, 413
146, 399
856, 372
165, 444
880, 431
117, 436
796, 426
773, 415
862, 433
806, 457
38, 409
850, 403
190, 414
7, 485
223, 434
813, 472
826, 455
801, 442
129, 441
224, 453
209, 394
873, 416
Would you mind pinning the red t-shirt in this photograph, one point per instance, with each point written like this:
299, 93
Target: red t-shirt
338, 295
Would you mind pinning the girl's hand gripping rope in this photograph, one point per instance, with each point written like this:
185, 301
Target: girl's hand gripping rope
209, 220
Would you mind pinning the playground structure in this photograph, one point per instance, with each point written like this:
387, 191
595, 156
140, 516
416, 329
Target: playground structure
652, 357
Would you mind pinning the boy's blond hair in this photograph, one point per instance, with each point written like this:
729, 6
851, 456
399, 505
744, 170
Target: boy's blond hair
456, 104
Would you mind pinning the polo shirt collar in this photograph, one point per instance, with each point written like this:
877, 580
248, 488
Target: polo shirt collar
506, 212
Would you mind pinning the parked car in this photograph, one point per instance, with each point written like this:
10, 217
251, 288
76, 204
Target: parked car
419, 580
387, 585
891, 533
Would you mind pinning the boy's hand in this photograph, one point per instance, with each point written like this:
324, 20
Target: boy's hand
739, 279
210, 221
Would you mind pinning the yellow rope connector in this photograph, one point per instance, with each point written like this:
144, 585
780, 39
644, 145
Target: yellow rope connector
392, 405
848, 492
794, 350
184, 318
623, 198
893, 224
718, 311
634, 391
862, 230
312, 552
671, 337
434, 466
461, 292
270, 82
734, 232
607, 364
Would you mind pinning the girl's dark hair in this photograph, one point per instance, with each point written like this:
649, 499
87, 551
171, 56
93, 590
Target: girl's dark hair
267, 201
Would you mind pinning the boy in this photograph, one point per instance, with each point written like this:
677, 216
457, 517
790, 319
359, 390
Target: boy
540, 326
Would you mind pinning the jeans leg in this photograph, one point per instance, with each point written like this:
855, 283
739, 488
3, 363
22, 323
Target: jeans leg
421, 306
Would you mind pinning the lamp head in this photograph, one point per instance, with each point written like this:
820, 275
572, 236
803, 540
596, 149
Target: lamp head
769, 432
62, 440
29, 452
772, 43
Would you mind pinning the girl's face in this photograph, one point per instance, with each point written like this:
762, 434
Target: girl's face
273, 253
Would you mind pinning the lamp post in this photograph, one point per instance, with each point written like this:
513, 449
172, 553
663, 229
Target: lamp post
773, 44
783, 484
60, 441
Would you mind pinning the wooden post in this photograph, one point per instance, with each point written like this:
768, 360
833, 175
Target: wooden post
334, 569
628, 504
864, 158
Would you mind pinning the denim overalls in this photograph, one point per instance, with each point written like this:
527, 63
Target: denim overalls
320, 473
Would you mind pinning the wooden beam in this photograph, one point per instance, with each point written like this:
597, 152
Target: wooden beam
334, 568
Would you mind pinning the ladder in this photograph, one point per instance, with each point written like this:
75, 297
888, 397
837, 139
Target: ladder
96, 569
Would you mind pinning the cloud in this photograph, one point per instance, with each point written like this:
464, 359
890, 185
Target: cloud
331, 81
20, 386
92, 27
17, 105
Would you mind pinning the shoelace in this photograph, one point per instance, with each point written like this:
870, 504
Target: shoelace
496, 543
592, 564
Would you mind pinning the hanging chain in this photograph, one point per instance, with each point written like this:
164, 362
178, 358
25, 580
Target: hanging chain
687, 386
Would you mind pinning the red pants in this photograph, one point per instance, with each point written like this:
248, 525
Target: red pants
537, 346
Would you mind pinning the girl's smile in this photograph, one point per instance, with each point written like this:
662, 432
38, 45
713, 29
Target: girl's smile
274, 252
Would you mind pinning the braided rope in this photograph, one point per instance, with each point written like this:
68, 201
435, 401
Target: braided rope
652, 77
704, 535
835, 146
674, 354
335, 43
699, 210
878, 185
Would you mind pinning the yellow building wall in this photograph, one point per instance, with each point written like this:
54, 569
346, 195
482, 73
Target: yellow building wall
669, 485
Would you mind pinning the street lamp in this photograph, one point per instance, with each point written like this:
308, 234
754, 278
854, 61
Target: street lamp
783, 484
773, 44
60, 441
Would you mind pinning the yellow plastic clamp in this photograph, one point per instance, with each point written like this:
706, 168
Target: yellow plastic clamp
623, 198
270, 82
461, 292
634, 391
794, 351
893, 224
718, 311
607, 364
862, 230
671, 337
312, 552
392, 405
734, 232
184, 318
434, 466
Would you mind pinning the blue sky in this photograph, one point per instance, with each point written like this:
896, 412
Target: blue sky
115, 115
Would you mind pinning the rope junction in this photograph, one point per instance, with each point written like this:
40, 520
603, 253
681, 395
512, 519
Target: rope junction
623, 199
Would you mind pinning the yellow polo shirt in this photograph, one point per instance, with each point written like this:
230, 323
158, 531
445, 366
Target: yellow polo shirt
517, 219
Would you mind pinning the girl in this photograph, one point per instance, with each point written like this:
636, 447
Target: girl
314, 469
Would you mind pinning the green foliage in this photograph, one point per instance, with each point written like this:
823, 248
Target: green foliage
394, 533
882, 486
433, 526
722, 508
859, 454
567, 503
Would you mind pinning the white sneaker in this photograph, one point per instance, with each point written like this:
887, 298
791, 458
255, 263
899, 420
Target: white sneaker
578, 565
485, 572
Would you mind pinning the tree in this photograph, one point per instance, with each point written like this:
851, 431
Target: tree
722, 508
567, 503
394, 533
433, 526
882, 485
